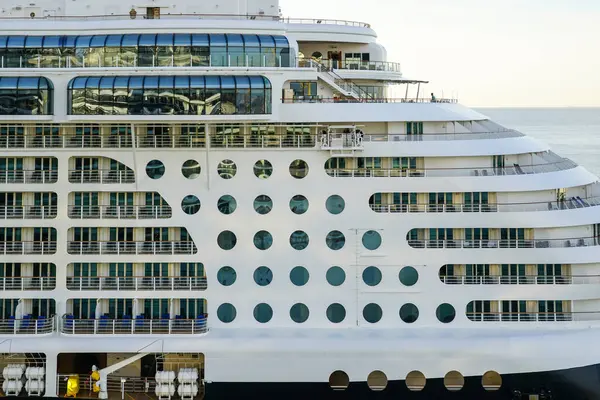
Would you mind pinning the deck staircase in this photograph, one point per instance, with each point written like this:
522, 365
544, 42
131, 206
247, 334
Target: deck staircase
344, 86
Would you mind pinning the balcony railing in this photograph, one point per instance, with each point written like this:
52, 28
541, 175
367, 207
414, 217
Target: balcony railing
449, 172
340, 100
426, 137
570, 204
28, 176
533, 316
120, 212
522, 280
118, 248
102, 176
104, 326
363, 65
153, 283
27, 326
28, 212
263, 141
502, 243
28, 283
24, 248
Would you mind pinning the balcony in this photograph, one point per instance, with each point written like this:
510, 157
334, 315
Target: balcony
102, 176
132, 248
28, 212
27, 326
128, 326
502, 243
345, 100
450, 172
137, 283
27, 283
570, 204
26, 248
120, 212
384, 66
533, 316
28, 176
522, 280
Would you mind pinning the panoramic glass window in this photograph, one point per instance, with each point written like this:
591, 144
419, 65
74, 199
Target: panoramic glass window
335, 276
408, 276
299, 313
371, 240
146, 50
299, 169
226, 313
299, 204
263, 240
155, 169
335, 204
336, 313
191, 169
169, 95
227, 169
263, 313
263, 169
226, 276
335, 240
372, 276
25, 95
226, 204
263, 276
190, 205
227, 240
372, 313
263, 204
299, 240
409, 313
445, 313
299, 276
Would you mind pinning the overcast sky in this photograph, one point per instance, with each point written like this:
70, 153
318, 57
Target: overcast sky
491, 52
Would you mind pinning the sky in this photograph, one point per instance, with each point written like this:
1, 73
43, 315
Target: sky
488, 53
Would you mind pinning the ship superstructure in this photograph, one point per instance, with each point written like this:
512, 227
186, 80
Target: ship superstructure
208, 199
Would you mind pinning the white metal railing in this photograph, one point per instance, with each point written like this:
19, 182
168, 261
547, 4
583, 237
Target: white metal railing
120, 212
27, 326
28, 212
27, 283
363, 65
28, 176
117, 248
449, 172
533, 316
319, 99
426, 137
502, 243
102, 176
105, 326
24, 248
569, 204
153, 283
521, 280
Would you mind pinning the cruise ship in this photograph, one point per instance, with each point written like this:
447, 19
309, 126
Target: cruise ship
209, 200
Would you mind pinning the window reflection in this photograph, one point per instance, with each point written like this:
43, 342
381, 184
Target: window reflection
145, 50
168, 95
25, 96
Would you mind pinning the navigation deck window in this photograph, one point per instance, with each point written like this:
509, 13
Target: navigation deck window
25, 96
167, 95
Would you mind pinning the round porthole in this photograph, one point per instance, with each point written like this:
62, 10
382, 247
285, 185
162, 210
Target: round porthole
227, 240
372, 276
227, 169
299, 169
299, 240
263, 276
263, 204
263, 313
372, 313
415, 381
263, 240
226, 276
377, 381
454, 381
155, 169
190, 205
299, 313
191, 169
409, 313
226, 204
335, 276
339, 380
299, 276
408, 276
299, 204
263, 169
335, 240
336, 313
371, 240
226, 313
335, 204
445, 313
491, 381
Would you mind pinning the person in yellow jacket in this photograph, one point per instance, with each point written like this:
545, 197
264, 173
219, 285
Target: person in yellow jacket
95, 377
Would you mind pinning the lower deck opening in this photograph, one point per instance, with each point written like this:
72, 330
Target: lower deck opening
22, 374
